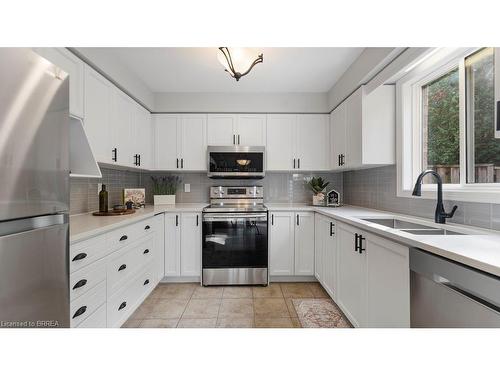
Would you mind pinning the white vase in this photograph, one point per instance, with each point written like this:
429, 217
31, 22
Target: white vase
319, 199
164, 199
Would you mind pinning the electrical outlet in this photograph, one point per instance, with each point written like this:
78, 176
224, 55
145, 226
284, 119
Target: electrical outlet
99, 187
187, 188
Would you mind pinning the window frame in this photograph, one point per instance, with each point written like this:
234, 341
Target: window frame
409, 128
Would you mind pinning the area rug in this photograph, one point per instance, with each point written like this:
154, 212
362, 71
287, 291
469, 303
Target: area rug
319, 313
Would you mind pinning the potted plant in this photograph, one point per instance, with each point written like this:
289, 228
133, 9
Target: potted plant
318, 186
164, 189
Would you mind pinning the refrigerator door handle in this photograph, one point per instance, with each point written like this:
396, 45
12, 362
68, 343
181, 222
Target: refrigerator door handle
31, 223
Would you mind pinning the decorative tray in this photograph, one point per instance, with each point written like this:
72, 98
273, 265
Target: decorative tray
114, 212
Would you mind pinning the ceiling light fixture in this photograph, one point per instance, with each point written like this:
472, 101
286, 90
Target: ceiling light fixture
237, 61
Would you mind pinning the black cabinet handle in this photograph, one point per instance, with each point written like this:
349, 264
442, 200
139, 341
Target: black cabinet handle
146, 251
176, 220
114, 154
331, 229
147, 227
182, 163
177, 162
356, 242
272, 219
298, 219
122, 267
234, 139
238, 139
79, 284
197, 220
122, 305
139, 160
293, 163
123, 238
80, 311
339, 160
79, 256
360, 247
298, 163
146, 282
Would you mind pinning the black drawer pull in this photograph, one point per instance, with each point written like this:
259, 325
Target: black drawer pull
122, 306
147, 227
122, 267
360, 247
80, 311
79, 284
356, 237
331, 229
79, 256
123, 238
146, 251
146, 282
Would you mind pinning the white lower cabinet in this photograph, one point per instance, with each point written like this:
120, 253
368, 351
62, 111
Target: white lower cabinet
325, 253
183, 244
304, 243
112, 274
373, 279
291, 243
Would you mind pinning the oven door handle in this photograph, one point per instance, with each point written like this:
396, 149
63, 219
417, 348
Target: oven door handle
232, 217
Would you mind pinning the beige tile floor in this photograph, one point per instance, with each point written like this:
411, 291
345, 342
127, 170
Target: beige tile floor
193, 306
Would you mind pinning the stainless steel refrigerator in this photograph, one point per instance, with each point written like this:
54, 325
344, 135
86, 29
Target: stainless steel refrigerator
34, 191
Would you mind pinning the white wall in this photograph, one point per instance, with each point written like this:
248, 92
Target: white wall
247, 102
118, 73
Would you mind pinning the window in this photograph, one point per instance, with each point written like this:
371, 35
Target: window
483, 149
440, 128
447, 112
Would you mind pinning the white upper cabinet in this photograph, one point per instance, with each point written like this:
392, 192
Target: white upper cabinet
312, 145
165, 128
98, 115
280, 142
338, 137
194, 142
363, 130
297, 142
251, 130
232, 129
75, 67
143, 140
180, 142
221, 129
122, 128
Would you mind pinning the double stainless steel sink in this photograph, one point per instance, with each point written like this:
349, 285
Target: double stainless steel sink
412, 228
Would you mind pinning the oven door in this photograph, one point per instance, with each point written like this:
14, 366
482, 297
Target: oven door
236, 162
235, 240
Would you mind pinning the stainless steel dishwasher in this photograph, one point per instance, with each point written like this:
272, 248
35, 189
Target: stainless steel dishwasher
446, 294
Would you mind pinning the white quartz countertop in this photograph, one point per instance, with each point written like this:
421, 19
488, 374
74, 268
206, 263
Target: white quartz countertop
479, 249
83, 226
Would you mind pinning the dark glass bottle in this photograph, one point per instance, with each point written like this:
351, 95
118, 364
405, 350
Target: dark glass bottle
103, 199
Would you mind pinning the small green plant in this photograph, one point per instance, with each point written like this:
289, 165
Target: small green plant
317, 184
166, 185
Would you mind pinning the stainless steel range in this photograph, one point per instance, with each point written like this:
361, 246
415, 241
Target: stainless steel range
235, 249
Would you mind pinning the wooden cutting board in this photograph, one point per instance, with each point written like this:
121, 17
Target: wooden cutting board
114, 213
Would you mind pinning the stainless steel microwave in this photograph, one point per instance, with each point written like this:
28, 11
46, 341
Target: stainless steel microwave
236, 162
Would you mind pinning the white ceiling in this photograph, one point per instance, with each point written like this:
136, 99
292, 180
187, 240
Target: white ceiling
198, 70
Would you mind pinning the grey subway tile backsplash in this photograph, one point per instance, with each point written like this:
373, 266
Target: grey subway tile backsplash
376, 188
278, 187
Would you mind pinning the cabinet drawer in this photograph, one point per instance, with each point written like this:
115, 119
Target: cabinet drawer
82, 307
86, 278
127, 262
85, 252
123, 303
96, 320
124, 236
